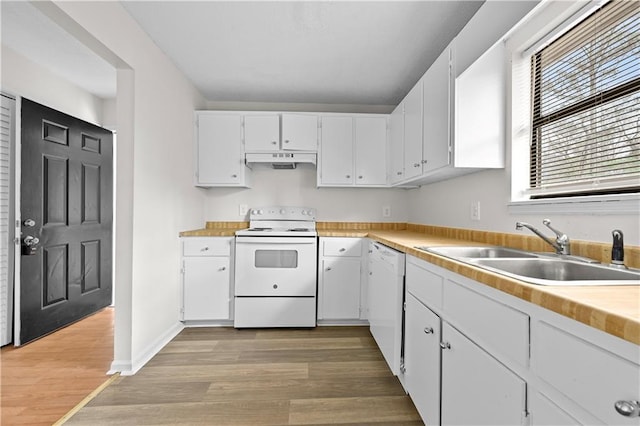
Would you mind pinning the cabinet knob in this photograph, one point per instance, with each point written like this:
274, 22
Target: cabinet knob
428, 330
348, 176
329, 268
628, 408
342, 250
416, 164
399, 173
274, 143
234, 176
360, 177
286, 141
224, 268
204, 249
445, 345
424, 161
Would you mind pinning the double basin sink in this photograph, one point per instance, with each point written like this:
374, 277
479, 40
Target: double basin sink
540, 268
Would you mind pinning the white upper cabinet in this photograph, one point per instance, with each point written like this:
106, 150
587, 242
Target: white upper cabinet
300, 132
437, 86
219, 151
353, 150
370, 150
395, 153
336, 151
413, 132
262, 133
266, 132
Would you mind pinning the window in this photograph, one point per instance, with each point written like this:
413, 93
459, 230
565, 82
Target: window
585, 107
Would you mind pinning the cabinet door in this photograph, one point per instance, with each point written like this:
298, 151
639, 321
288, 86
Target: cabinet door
545, 413
396, 144
220, 156
261, 133
370, 147
206, 288
340, 288
300, 132
437, 107
422, 359
476, 388
336, 158
413, 132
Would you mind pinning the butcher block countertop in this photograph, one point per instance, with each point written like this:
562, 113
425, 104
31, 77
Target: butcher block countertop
613, 309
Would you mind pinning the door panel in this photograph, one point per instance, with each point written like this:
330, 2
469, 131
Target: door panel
66, 190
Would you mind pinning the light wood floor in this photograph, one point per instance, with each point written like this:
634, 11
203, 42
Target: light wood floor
224, 376
41, 381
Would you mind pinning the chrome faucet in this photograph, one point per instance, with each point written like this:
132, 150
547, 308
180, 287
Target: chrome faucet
561, 244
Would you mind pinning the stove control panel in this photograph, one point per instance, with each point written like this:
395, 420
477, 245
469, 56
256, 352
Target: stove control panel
283, 213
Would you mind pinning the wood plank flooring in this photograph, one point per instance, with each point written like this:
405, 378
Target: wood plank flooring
41, 381
224, 376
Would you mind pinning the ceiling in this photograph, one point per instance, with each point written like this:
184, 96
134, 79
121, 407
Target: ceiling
322, 52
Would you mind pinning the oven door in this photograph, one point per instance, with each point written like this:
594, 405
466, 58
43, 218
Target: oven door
275, 266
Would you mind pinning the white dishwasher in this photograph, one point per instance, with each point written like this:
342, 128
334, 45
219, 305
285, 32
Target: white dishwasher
386, 299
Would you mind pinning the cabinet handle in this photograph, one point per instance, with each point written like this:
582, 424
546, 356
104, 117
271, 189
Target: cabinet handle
329, 268
274, 143
286, 141
360, 177
416, 164
204, 249
399, 173
348, 176
628, 408
424, 161
342, 250
224, 268
428, 330
445, 345
234, 176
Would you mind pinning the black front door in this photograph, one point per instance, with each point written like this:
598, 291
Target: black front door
66, 212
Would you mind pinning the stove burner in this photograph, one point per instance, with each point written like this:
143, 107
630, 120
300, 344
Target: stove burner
298, 229
259, 229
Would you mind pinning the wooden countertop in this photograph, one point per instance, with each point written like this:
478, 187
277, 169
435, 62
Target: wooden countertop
613, 309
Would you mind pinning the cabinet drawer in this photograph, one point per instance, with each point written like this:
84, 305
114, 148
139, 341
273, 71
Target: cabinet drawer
591, 376
424, 285
501, 329
350, 247
219, 246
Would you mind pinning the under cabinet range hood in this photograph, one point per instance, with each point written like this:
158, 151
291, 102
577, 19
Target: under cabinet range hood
280, 160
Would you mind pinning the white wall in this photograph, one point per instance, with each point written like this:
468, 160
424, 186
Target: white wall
298, 188
448, 203
154, 179
23, 77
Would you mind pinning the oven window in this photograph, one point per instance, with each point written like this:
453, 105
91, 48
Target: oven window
276, 259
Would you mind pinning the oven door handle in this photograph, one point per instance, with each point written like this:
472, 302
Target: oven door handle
275, 240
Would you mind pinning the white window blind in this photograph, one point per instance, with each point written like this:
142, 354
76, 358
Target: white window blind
586, 107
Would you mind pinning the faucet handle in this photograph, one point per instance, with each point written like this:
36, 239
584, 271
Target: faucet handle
560, 235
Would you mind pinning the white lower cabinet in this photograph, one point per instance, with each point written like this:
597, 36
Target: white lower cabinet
206, 269
422, 359
503, 360
340, 283
476, 388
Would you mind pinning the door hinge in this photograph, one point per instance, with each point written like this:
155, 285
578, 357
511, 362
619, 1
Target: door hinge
18, 223
16, 241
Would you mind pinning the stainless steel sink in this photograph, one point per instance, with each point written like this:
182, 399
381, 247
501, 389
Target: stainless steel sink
455, 252
555, 271
539, 268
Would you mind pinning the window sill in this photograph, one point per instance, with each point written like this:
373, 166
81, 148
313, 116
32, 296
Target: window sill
593, 205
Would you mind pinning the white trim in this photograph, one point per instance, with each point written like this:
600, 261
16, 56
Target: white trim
590, 205
126, 368
18, 218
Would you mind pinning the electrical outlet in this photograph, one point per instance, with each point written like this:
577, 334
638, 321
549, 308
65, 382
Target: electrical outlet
386, 211
243, 209
475, 210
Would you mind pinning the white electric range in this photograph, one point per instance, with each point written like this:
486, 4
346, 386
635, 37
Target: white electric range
276, 268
